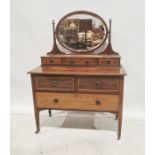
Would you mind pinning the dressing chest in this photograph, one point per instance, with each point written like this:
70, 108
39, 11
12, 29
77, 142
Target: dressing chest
81, 72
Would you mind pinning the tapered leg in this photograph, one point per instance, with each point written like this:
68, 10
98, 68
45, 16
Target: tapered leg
119, 125
120, 112
49, 111
37, 121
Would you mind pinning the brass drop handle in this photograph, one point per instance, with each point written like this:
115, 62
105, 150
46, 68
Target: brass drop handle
98, 84
98, 102
54, 82
55, 100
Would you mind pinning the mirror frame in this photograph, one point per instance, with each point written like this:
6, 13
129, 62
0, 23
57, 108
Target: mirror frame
86, 13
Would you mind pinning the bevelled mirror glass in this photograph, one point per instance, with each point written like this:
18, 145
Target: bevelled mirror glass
81, 31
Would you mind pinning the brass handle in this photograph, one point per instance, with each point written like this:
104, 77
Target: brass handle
54, 83
98, 84
55, 100
98, 102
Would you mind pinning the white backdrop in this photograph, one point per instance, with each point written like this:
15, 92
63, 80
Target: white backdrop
31, 37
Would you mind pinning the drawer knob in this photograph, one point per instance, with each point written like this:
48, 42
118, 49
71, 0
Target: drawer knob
51, 61
108, 61
55, 100
71, 61
87, 62
98, 102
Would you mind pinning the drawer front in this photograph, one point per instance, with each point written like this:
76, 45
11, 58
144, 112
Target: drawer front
82, 61
78, 101
109, 62
98, 84
54, 83
51, 61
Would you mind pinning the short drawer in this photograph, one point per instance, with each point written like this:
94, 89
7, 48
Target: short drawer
54, 83
109, 62
98, 84
78, 101
51, 61
79, 61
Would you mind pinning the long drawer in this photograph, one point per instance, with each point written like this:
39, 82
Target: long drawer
54, 83
98, 84
77, 101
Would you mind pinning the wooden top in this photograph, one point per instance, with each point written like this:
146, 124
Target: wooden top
70, 70
81, 56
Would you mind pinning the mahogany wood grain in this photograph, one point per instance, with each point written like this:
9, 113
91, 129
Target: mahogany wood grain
81, 56
53, 61
85, 60
77, 101
69, 70
79, 61
98, 84
54, 83
109, 62
78, 82
36, 110
120, 111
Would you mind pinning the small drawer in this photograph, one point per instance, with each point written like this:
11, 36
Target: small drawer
51, 61
109, 62
78, 101
78, 61
98, 84
54, 83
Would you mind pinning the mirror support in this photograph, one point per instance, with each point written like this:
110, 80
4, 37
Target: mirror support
55, 49
109, 49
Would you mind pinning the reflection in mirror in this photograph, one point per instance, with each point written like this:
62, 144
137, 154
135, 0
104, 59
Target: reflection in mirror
81, 32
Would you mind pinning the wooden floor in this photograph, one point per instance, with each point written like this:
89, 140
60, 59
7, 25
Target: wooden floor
71, 133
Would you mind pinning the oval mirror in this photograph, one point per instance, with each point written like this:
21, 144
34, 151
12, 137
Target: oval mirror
81, 31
